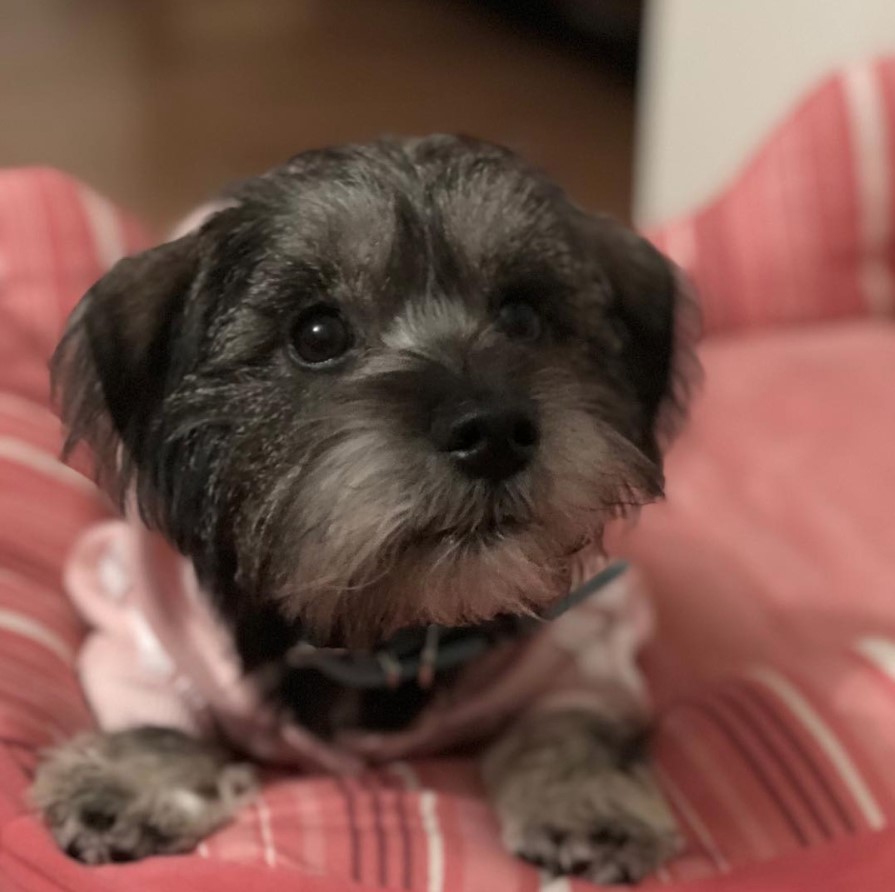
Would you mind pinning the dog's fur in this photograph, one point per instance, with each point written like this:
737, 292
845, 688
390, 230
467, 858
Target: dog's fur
313, 502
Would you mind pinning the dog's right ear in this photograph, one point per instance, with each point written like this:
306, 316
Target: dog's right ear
111, 366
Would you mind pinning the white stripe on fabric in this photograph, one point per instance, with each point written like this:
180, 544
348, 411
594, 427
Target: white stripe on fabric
266, 830
307, 807
827, 741
880, 652
105, 227
26, 627
428, 802
703, 834
24, 453
429, 814
867, 111
30, 410
554, 884
434, 841
405, 774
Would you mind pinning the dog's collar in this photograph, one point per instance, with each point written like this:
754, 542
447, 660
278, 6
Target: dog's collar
420, 654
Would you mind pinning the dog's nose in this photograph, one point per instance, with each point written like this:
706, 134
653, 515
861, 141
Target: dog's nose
488, 442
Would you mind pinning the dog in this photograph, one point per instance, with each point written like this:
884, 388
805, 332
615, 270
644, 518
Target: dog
385, 394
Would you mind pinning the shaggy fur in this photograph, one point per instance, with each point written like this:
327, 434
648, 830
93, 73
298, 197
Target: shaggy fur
319, 501
573, 794
150, 791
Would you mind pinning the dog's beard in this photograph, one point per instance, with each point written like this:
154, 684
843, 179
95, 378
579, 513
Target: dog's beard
374, 532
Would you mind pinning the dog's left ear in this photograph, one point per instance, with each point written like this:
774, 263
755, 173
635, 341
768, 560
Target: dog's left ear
110, 368
655, 318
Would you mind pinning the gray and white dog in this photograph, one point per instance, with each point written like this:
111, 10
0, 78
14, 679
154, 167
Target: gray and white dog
424, 349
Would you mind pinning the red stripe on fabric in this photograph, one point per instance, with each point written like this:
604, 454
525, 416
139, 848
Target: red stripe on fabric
29, 859
865, 723
23, 275
369, 785
709, 273
317, 843
733, 226
31, 656
48, 197
805, 752
75, 261
885, 72
37, 705
14, 782
455, 856
800, 795
700, 758
814, 682
400, 806
21, 724
675, 764
393, 816
25, 757
30, 422
697, 859
781, 243
836, 189
353, 831
798, 217
759, 771
404, 779
50, 609
48, 261
48, 517
54, 691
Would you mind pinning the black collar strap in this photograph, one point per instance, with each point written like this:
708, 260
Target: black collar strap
420, 654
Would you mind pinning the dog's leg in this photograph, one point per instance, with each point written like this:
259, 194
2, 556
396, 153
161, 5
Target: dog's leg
130, 794
573, 794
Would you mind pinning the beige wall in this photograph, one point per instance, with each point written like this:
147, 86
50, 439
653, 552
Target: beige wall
718, 73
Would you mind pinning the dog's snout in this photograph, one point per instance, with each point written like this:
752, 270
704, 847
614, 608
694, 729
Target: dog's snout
489, 442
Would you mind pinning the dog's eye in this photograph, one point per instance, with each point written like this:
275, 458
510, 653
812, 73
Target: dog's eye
519, 319
320, 335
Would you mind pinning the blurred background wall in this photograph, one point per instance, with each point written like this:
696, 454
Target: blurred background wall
159, 102
717, 74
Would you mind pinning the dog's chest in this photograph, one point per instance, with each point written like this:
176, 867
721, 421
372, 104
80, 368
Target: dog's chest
159, 654
326, 707
323, 705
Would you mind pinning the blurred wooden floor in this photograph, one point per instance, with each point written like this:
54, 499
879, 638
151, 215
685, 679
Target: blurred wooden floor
158, 102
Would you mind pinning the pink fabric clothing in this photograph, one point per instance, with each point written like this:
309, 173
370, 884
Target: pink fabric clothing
157, 654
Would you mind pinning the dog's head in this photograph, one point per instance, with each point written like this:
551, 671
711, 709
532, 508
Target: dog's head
387, 385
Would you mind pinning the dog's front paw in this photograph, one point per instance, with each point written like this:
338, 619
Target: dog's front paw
605, 847
125, 796
574, 795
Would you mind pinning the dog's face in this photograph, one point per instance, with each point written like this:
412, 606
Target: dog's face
387, 385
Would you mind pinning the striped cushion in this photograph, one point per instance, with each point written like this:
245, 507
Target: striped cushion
807, 231
771, 563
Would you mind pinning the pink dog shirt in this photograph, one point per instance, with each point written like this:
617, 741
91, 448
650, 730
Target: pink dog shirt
157, 654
